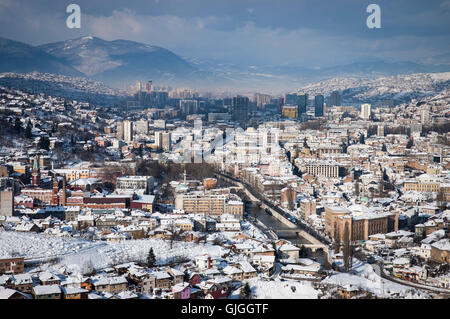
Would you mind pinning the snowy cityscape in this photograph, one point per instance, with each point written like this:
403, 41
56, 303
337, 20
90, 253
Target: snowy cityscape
128, 172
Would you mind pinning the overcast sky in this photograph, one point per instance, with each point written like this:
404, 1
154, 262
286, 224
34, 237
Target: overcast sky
253, 32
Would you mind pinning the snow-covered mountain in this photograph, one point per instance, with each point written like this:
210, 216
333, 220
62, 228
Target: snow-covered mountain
22, 58
400, 88
120, 60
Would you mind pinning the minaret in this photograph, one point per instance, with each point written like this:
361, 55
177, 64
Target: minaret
35, 175
184, 181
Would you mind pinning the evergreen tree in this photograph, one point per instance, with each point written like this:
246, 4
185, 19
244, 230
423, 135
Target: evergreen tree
17, 125
44, 143
28, 131
361, 139
186, 275
151, 259
245, 292
410, 144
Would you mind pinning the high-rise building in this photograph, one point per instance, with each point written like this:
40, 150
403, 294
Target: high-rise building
380, 130
302, 102
149, 86
240, 109
425, 116
188, 107
127, 131
159, 124
119, 130
335, 99
318, 106
139, 85
366, 111
6, 202
163, 140
141, 127
290, 99
262, 100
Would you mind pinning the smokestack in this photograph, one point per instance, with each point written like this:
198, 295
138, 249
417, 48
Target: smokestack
209, 262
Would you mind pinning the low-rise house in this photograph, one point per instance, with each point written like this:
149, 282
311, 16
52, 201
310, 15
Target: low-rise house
141, 279
440, 251
288, 251
162, 279
194, 279
110, 284
399, 264
203, 262
243, 248
47, 278
176, 276
247, 269
181, 291
23, 283
233, 273
11, 294
75, 293
47, 292
425, 251
304, 267
27, 227
126, 294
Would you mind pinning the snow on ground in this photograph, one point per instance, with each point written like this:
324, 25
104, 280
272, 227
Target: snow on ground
32, 245
364, 277
137, 250
277, 289
252, 231
75, 252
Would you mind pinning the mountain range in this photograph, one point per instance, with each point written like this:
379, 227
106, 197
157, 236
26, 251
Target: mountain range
122, 62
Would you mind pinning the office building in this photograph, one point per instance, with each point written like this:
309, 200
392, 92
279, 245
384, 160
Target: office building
119, 130
290, 99
302, 102
127, 131
141, 127
335, 99
262, 99
240, 109
188, 107
163, 140
425, 116
318, 106
366, 111
290, 111
134, 184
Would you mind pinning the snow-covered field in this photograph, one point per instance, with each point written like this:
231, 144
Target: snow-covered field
137, 250
366, 278
76, 252
31, 245
277, 289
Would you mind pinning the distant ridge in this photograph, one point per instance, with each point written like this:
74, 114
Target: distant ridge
19, 57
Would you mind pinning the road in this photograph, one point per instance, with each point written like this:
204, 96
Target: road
257, 197
379, 270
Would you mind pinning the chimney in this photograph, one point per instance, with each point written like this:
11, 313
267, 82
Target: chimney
209, 262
